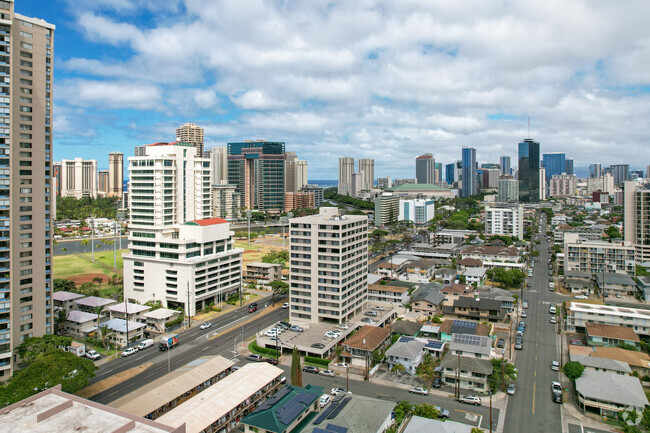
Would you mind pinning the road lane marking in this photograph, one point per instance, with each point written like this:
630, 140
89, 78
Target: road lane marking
464, 411
535, 373
534, 387
535, 357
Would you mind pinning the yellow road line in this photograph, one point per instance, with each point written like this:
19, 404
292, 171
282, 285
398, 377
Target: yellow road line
535, 373
464, 411
534, 387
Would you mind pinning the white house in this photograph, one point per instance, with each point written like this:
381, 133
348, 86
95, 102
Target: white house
408, 354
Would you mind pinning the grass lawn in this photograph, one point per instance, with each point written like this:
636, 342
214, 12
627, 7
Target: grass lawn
75, 265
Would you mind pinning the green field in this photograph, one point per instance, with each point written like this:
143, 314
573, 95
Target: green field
77, 265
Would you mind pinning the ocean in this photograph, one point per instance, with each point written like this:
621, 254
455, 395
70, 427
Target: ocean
324, 183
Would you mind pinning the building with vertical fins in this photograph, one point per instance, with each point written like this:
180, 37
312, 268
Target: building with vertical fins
505, 166
528, 171
636, 218
554, 163
218, 157
468, 175
257, 168
116, 174
346, 168
367, 168
190, 133
26, 51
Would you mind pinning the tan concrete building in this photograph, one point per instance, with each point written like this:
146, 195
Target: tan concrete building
263, 272
78, 178
26, 50
116, 174
218, 157
297, 200
224, 201
192, 134
598, 256
636, 227
329, 266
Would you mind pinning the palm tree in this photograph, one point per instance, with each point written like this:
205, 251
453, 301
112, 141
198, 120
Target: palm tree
104, 336
84, 242
99, 310
60, 319
337, 352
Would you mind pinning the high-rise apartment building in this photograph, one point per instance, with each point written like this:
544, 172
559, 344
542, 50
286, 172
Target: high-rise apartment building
490, 178
563, 185
295, 173
636, 218
508, 190
505, 221
384, 182
218, 157
386, 209
504, 163
78, 178
647, 172
595, 170
116, 174
621, 173
26, 51
190, 133
450, 173
224, 201
346, 168
543, 186
569, 166
468, 174
257, 169
329, 267
298, 200
178, 254
554, 164
367, 167
596, 257
317, 192
418, 211
425, 166
438, 172
102, 183
528, 171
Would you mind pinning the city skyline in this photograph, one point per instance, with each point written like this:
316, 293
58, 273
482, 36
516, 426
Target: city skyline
335, 95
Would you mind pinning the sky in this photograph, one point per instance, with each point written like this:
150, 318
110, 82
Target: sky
387, 80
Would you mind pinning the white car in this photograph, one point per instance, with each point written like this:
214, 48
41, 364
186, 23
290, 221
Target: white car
285, 305
328, 373
556, 387
555, 366
93, 355
341, 364
272, 333
205, 325
342, 326
378, 307
470, 399
582, 297
130, 351
337, 391
419, 390
523, 314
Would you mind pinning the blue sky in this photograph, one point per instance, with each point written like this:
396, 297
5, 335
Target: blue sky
387, 80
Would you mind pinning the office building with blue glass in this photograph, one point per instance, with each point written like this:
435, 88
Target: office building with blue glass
504, 164
554, 163
528, 172
468, 172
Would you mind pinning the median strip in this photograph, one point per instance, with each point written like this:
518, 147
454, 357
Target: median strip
112, 381
264, 312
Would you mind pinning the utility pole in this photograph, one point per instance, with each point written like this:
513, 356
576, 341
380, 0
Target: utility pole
458, 377
92, 239
188, 304
126, 310
490, 411
249, 214
347, 379
366, 372
115, 247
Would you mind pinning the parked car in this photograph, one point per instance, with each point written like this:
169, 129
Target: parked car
310, 369
519, 345
557, 397
577, 342
130, 351
470, 399
437, 382
296, 328
342, 326
556, 387
442, 413
551, 286
318, 346
367, 320
285, 305
91, 354
371, 313
552, 309
522, 324
342, 365
523, 314
582, 297
271, 361
337, 391
378, 307
255, 357
272, 333
524, 304
511, 390
553, 320
328, 373
419, 390
555, 366
501, 343
205, 325
285, 325
144, 344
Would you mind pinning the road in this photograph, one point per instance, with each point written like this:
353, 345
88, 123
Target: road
532, 409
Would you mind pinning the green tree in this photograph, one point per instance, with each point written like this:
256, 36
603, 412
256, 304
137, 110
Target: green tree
426, 411
281, 257
278, 287
476, 430
503, 373
645, 418
337, 352
59, 319
99, 310
398, 368
50, 368
426, 369
85, 243
296, 369
98, 280
612, 232
573, 370
105, 335
59, 284
32, 347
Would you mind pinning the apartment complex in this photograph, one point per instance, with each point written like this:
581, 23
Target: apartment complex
468, 172
505, 221
26, 197
346, 168
579, 314
218, 157
317, 192
192, 134
418, 211
504, 165
386, 209
257, 170
563, 185
329, 266
367, 170
116, 174
508, 190
636, 227
225, 201
295, 173
425, 167
78, 178
598, 256
297, 200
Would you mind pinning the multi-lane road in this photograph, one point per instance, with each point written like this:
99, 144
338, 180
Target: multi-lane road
532, 409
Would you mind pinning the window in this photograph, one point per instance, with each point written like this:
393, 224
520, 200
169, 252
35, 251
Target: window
25, 99
25, 24
25, 90
24, 81
26, 35
25, 73
26, 63
26, 45
26, 54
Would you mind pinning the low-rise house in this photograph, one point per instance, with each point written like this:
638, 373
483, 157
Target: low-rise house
464, 264
609, 393
643, 288
455, 291
602, 364
352, 413
421, 269
121, 329
408, 354
449, 327
80, 324
365, 341
387, 269
616, 284
637, 360
134, 311
480, 309
475, 276
611, 335
474, 372
473, 346
156, 319
90, 303
494, 257
504, 296
427, 299
575, 285
447, 275
418, 424
388, 294
405, 327
65, 300
263, 273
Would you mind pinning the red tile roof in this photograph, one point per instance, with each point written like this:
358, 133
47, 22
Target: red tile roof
162, 143
210, 221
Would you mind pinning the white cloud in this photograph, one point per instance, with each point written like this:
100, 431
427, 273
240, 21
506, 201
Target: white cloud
116, 94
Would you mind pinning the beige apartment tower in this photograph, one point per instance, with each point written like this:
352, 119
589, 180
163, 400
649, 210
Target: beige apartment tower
192, 134
346, 168
329, 266
26, 46
115, 174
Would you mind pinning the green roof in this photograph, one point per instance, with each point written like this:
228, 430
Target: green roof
418, 187
268, 415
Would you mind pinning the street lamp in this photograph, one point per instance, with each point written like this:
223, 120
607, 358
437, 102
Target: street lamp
249, 214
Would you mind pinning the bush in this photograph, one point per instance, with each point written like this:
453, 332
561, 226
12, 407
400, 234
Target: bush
316, 360
176, 321
253, 347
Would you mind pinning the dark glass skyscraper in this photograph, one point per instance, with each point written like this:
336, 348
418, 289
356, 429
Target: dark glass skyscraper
468, 172
505, 165
425, 166
621, 173
528, 171
596, 170
569, 166
554, 163
450, 170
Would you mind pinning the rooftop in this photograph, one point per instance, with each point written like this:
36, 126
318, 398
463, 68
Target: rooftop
475, 272
575, 307
405, 327
469, 262
81, 316
94, 301
120, 325
611, 331
481, 303
418, 424
353, 414
615, 278
429, 292
373, 335
458, 326
123, 307
417, 187
457, 288
467, 363
602, 363
206, 222
263, 265
64, 296
409, 350
471, 343
632, 357
491, 251
160, 313
611, 387
387, 288
56, 411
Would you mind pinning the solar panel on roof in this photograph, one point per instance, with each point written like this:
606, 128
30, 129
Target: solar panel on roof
319, 430
339, 408
288, 414
326, 412
336, 428
405, 339
307, 397
434, 344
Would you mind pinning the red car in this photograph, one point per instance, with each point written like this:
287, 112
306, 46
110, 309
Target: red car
577, 342
252, 309
271, 361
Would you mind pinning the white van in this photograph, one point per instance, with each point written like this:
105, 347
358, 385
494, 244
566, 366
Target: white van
144, 344
324, 399
551, 309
